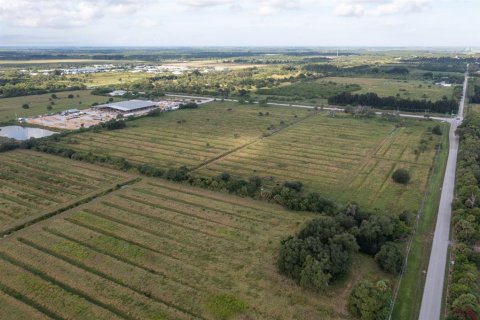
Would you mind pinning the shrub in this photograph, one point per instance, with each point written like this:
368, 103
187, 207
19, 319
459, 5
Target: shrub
401, 176
370, 301
189, 105
390, 258
25, 106
437, 130
224, 306
115, 124
154, 113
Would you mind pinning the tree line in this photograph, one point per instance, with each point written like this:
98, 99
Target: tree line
475, 97
464, 292
394, 103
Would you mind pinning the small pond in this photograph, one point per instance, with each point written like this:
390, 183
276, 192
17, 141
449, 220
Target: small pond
24, 133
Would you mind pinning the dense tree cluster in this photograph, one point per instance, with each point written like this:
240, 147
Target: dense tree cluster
393, 103
464, 292
322, 251
319, 254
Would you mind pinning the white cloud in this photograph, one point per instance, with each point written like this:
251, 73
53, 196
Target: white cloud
206, 3
357, 8
349, 10
62, 13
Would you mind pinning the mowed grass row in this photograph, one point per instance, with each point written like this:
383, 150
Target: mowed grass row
158, 250
11, 108
186, 137
32, 182
342, 158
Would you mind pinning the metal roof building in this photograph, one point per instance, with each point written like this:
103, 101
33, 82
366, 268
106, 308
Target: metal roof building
128, 106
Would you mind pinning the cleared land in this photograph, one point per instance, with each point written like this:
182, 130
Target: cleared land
10, 108
33, 184
157, 250
413, 89
186, 137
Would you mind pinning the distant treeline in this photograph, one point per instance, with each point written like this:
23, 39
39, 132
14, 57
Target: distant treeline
26, 90
362, 69
157, 54
444, 60
394, 103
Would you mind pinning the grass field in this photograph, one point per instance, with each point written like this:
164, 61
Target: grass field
158, 250
186, 137
308, 90
342, 158
111, 78
10, 108
413, 89
32, 184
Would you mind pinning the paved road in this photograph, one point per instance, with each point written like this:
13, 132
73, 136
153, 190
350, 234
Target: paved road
433, 292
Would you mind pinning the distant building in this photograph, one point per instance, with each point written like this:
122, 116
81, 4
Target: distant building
127, 106
444, 84
117, 93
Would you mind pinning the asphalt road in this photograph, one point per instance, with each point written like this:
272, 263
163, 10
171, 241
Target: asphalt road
433, 292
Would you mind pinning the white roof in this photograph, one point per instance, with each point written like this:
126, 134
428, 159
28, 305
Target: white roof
130, 105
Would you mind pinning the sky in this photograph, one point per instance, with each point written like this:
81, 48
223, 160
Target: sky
315, 23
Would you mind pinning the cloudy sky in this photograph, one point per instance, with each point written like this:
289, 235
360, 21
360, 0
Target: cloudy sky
240, 22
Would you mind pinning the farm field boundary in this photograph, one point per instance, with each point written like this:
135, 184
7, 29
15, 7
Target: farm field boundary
219, 157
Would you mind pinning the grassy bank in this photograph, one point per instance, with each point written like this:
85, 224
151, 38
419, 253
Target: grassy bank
409, 297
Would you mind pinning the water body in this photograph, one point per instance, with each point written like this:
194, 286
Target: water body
24, 133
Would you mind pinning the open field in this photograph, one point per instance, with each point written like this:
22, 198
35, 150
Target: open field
185, 137
32, 184
407, 89
314, 91
158, 250
111, 78
342, 158
12, 107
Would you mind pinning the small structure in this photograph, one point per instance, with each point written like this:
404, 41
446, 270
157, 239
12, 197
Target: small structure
117, 93
127, 106
444, 84
70, 111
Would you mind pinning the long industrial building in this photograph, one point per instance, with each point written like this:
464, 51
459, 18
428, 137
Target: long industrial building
128, 106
